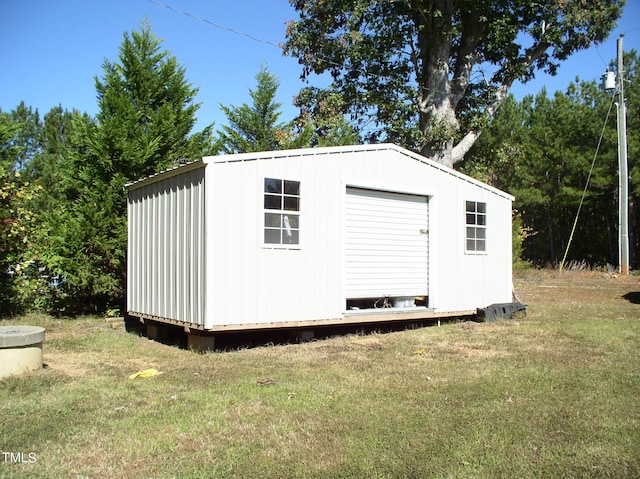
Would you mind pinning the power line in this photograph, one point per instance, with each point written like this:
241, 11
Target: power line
279, 46
257, 39
586, 186
214, 24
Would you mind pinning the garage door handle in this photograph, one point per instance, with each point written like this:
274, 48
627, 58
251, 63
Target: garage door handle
424, 232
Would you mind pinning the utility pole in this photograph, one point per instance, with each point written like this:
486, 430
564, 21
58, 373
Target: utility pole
623, 175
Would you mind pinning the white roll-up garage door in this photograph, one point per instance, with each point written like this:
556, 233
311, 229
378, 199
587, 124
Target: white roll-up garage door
387, 244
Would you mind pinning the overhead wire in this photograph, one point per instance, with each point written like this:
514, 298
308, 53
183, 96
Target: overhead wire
279, 46
257, 39
214, 24
586, 186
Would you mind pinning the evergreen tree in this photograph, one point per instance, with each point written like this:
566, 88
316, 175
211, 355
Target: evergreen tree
256, 127
28, 135
147, 112
541, 151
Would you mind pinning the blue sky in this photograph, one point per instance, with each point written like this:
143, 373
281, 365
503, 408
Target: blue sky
50, 50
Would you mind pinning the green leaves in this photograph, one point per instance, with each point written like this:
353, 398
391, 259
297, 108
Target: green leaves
409, 65
147, 112
541, 150
256, 127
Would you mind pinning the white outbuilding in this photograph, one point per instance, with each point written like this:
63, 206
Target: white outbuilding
310, 237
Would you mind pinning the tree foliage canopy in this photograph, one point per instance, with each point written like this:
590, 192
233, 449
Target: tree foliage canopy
428, 74
147, 112
17, 218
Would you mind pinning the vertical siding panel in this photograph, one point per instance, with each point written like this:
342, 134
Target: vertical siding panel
173, 287
182, 210
144, 253
193, 280
166, 248
162, 240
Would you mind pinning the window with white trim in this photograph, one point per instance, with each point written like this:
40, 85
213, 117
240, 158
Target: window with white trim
476, 224
281, 212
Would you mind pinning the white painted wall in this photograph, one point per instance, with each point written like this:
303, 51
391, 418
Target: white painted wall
250, 283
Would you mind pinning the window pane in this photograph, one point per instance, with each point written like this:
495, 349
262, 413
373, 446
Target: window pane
482, 207
272, 220
471, 232
294, 221
471, 245
291, 237
272, 202
482, 220
292, 188
272, 185
480, 233
480, 245
272, 236
291, 203
471, 219
471, 206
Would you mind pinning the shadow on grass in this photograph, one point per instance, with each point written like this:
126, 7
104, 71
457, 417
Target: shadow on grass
632, 297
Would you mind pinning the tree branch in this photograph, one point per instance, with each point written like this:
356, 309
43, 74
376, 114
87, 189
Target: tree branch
464, 145
466, 57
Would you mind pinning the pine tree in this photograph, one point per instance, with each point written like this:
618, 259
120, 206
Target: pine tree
255, 127
147, 112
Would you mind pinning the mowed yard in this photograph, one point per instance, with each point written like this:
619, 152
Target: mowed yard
552, 394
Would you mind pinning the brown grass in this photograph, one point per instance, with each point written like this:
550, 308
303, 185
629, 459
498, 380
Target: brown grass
550, 394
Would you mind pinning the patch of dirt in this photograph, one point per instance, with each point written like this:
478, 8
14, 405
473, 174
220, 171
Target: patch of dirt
547, 286
87, 363
368, 341
68, 364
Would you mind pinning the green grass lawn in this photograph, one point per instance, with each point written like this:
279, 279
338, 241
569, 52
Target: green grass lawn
553, 394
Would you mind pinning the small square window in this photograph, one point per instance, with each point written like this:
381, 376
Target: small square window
476, 230
292, 203
292, 188
272, 236
272, 186
272, 220
281, 218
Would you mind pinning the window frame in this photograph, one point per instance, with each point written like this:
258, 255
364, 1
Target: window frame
280, 204
475, 232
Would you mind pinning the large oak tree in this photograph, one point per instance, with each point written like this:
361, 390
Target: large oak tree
428, 74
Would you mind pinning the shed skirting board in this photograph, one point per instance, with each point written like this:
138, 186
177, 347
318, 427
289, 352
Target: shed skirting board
351, 317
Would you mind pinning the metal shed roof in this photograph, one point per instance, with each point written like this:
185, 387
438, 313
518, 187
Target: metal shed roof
331, 150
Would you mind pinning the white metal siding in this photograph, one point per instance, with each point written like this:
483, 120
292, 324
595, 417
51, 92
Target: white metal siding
249, 284
387, 244
166, 257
